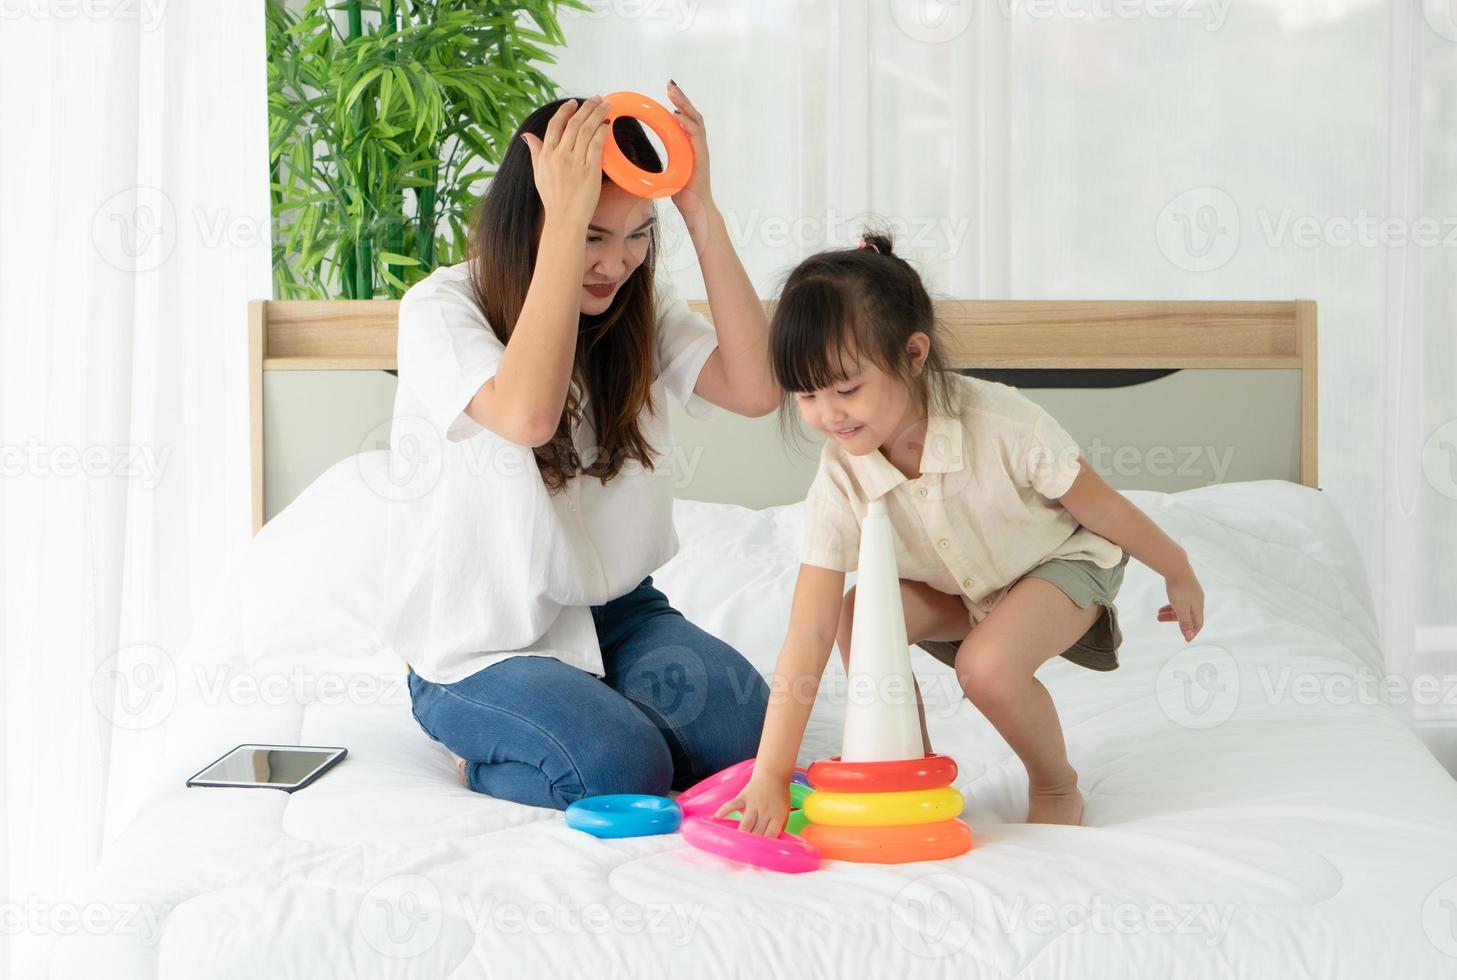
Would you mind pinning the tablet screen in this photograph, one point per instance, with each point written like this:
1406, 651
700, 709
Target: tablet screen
279, 766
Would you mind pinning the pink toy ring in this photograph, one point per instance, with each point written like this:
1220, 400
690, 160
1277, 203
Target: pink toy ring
786, 853
704, 798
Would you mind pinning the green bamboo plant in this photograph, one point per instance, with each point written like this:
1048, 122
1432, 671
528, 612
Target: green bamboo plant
385, 117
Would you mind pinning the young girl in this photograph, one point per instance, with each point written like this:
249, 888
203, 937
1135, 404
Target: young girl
1009, 547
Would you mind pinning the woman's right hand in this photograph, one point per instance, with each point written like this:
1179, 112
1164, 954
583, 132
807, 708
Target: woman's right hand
567, 163
764, 805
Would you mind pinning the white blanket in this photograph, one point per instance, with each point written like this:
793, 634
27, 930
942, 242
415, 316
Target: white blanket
1253, 809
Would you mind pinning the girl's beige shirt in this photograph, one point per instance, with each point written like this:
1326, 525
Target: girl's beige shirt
982, 513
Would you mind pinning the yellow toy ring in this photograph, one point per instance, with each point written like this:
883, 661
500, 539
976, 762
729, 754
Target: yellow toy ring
628, 175
883, 809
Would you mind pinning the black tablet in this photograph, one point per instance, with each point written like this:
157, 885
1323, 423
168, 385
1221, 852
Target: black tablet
285, 767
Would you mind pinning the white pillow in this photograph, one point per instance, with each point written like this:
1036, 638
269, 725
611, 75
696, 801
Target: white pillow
311, 582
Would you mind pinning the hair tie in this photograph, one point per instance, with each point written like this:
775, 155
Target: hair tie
862, 243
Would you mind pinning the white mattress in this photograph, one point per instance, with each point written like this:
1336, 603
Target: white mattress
1250, 812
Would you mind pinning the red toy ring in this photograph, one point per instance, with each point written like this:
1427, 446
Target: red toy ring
628, 175
835, 776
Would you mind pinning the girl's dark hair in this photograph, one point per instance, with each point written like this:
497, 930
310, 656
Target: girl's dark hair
613, 368
849, 302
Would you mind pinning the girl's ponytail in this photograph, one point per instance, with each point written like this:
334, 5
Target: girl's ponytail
880, 244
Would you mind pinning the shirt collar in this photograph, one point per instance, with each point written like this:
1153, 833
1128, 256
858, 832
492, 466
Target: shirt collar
942, 453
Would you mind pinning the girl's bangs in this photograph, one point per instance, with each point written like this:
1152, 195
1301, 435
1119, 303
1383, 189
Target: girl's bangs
812, 339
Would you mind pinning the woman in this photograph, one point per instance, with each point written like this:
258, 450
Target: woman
530, 413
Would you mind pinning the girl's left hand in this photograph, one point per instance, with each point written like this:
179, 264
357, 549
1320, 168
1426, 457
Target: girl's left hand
1186, 604
693, 200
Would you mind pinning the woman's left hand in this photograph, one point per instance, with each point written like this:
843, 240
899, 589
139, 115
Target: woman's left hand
694, 199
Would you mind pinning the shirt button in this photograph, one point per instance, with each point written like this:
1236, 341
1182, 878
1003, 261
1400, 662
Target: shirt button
571, 506
944, 542
966, 583
921, 492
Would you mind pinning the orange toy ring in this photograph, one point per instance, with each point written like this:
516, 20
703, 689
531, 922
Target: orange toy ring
628, 175
929, 772
890, 845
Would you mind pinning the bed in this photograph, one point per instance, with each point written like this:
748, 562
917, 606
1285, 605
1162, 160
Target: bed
1253, 808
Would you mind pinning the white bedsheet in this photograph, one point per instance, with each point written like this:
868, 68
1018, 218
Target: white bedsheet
1252, 809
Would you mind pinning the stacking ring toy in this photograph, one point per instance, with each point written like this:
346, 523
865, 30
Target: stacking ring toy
883, 809
786, 852
891, 845
882, 777
624, 815
628, 175
796, 821
705, 797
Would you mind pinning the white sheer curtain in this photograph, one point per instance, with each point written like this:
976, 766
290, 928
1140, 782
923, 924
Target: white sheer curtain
1426, 421
1280, 149
1087, 149
133, 184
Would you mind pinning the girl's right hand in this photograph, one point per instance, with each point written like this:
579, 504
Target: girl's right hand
567, 163
764, 805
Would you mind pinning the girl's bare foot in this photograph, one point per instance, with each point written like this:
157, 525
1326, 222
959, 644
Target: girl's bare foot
1058, 804
460, 770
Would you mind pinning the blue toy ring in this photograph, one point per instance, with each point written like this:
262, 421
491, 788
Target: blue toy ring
624, 815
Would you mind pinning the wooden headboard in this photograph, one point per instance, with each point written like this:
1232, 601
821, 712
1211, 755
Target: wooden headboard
286, 335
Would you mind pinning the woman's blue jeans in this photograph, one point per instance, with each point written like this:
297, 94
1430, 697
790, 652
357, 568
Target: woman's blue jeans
677, 705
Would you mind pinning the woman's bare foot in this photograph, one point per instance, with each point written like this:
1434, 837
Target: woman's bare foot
1059, 804
460, 770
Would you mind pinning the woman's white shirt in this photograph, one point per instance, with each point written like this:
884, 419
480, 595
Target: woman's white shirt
483, 562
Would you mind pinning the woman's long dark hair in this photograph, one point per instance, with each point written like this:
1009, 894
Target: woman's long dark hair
614, 362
